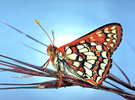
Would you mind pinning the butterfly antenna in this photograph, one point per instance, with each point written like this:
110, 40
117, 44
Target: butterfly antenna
53, 37
23, 33
44, 30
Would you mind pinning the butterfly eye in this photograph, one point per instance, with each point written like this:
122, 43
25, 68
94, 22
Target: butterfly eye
51, 49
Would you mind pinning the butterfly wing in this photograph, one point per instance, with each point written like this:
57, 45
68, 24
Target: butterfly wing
89, 57
109, 35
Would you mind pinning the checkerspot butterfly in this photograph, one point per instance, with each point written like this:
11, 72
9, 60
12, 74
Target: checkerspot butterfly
88, 57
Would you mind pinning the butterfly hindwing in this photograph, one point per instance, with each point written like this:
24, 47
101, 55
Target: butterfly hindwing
89, 61
89, 57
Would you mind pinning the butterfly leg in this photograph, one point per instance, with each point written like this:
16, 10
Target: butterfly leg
44, 63
47, 64
60, 82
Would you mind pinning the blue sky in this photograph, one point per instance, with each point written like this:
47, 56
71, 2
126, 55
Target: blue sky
69, 19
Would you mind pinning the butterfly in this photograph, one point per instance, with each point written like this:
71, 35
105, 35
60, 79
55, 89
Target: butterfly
89, 57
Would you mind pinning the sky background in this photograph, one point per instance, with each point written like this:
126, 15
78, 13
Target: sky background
70, 19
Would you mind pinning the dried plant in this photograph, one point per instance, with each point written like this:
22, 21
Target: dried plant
67, 80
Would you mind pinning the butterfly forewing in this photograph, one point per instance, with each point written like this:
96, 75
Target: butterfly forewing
89, 57
109, 35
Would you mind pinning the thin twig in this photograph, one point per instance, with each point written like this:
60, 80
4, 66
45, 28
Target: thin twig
123, 73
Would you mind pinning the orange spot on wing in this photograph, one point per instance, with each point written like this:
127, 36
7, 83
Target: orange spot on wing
110, 40
107, 68
119, 32
75, 68
81, 69
69, 62
74, 49
100, 59
104, 75
98, 53
98, 43
92, 40
115, 46
105, 48
82, 55
118, 41
93, 48
97, 63
87, 40
82, 41
95, 69
111, 35
61, 50
100, 81
110, 62
91, 81
95, 76
109, 55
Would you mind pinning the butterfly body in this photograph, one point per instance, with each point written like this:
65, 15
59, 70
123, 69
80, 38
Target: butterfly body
89, 57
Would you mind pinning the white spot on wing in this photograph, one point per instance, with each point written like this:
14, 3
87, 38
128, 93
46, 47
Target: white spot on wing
105, 43
114, 40
106, 30
83, 50
115, 36
100, 35
112, 45
109, 35
88, 65
60, 54
80, 73
69, 51
85, 45
98, 78
66, 47
80, 46
80, 58
82, 41
91, 37
91, 57
89, 53
88, 71
72, 56
102, 65
93, 43
104, 54
91, 61
105, 61
113, 27
99, 47
75, 63
108, 39
113, 31
100, 72
98, 32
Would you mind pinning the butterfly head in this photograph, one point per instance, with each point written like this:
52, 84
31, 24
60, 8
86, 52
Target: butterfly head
51, 50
